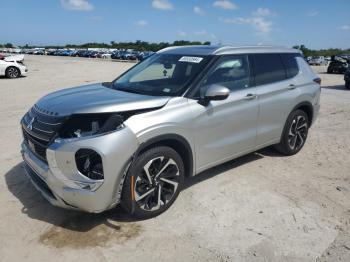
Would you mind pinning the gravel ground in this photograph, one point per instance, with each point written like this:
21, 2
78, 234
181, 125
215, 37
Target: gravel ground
261, 207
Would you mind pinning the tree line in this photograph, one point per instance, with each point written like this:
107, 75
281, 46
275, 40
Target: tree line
146, 46
322, 52
138, 45
7, 45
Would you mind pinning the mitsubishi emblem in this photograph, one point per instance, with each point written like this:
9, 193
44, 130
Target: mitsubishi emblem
30, 124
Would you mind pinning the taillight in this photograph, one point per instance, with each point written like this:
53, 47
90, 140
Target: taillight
317, 80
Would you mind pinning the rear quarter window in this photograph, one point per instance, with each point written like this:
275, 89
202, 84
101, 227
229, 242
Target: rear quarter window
268, 68
291, 64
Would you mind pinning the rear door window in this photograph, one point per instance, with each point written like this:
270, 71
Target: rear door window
290, 63
268, 68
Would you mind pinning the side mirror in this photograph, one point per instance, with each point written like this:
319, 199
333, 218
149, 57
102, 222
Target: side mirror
216, 92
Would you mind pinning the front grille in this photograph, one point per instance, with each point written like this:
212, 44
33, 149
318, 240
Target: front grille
40, 129
38, 147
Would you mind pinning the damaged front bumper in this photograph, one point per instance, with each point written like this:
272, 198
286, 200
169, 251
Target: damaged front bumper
63, 185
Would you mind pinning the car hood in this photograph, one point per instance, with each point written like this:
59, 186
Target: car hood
14, 58
96, 98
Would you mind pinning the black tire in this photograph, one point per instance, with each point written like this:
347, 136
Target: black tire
347, 84
137, 182
295, 130
12, 72
329, 71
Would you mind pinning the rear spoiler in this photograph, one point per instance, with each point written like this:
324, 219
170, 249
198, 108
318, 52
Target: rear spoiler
14, 58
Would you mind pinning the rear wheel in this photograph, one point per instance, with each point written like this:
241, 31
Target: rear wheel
294, 133
153, 182
347, 84
12, 72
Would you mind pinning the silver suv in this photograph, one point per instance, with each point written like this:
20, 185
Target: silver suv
134, 141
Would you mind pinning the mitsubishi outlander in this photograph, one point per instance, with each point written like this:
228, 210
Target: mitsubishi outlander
133, 141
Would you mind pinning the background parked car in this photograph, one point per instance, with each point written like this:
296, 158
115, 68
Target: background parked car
338, 65
143, 55
50, 52
116, 55
347, 78
39, 52
105, 55
65, 53
90, 54
80, 53
12, 66
129, 55
318, 61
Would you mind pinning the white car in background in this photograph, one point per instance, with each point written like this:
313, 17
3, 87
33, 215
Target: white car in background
12, 66
318, 61
106, 55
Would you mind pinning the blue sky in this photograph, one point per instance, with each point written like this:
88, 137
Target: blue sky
317, 24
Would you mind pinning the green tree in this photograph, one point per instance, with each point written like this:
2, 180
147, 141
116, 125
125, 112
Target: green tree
9, 45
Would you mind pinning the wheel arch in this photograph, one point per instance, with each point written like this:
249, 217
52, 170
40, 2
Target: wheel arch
307, 108
174, 141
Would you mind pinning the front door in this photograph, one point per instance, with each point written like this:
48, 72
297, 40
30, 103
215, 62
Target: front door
227, 128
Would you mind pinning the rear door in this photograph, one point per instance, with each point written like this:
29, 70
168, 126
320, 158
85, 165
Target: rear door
276, 90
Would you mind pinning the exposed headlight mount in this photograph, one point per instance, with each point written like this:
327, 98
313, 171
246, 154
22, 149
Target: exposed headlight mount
83, 125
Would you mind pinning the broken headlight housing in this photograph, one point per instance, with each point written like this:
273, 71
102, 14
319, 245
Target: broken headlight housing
89, 164
82, 125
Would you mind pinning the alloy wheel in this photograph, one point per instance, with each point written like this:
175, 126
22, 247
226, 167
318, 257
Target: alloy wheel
297, 132
157, 183
12, 72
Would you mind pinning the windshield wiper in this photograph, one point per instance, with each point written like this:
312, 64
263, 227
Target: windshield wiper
134, 91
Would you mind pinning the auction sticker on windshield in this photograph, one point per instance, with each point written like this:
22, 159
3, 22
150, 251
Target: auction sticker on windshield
191, 59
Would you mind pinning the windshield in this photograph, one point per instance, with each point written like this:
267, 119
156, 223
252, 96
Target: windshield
161, 75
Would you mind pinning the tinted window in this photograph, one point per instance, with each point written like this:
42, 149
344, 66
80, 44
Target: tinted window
268, 68
231, 71
291, 64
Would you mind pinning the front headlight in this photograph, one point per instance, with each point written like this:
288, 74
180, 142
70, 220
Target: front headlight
82, 125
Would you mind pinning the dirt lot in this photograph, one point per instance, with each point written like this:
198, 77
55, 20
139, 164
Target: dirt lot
261, 207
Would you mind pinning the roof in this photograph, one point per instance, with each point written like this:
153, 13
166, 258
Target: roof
224, 50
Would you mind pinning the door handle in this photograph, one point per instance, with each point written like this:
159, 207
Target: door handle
250, 96
291, 87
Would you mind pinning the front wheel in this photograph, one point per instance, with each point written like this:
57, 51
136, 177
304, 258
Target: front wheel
294, 133
12, 72
153, 182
